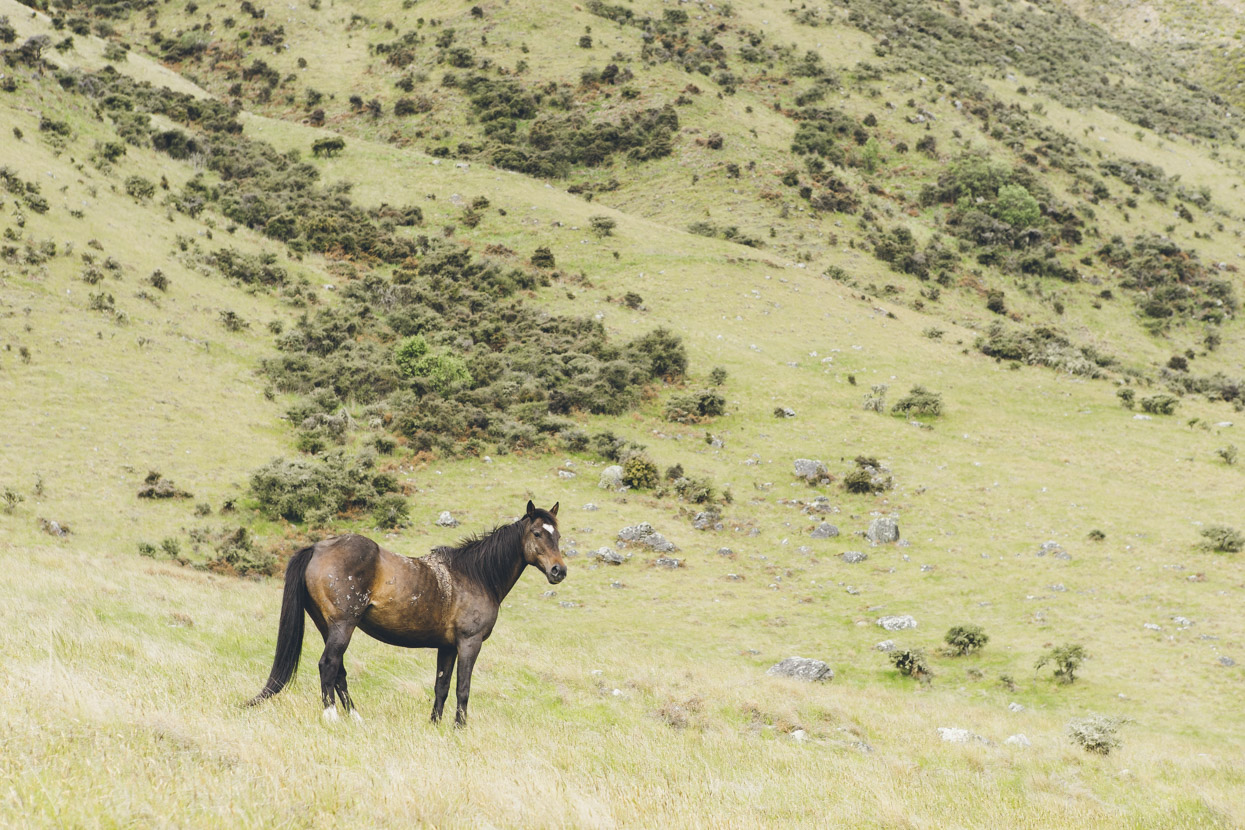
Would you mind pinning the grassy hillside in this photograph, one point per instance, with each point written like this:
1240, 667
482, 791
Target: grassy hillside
187, 288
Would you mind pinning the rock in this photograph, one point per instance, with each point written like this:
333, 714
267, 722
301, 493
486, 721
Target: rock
53, 528
853, 557
708, 520
1183, 622
825, 530
811, 470
897, 623
883, 531
668, 562
1058, 588
784, 412
926, 568
565, 474
1015, 707
821, 504
608, 556
725, 552
955, 735
446, 520
1227, 662
590, 507
643, 534
1018, 740
1153, 627
801, 668
799, 736
611, 478
886, 646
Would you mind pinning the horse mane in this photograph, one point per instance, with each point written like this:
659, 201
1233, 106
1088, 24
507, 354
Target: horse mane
487, 559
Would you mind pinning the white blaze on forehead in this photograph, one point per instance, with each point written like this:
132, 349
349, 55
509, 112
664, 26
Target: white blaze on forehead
549, 528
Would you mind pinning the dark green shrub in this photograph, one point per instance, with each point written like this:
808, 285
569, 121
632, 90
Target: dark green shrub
602, 225
543, 258
328, 147
1228, 454
1128, 397
140, 188
391, 511
1160, 404
693, 407
962, 640
918, 402
717, 377
1067, 659
319, 489
911, 662
639, 472
1223, 539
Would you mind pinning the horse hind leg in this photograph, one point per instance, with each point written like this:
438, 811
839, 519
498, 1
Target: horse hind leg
332, 670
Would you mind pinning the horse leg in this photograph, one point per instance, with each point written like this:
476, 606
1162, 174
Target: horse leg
445, 669
468, 650
331, 669
343, 694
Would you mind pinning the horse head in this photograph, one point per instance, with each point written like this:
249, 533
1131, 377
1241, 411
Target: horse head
540, 542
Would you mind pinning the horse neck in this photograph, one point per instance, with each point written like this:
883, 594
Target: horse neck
516, 571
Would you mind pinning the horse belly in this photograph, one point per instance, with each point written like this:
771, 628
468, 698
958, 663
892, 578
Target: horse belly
404, 627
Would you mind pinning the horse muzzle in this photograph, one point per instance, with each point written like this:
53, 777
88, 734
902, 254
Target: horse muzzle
556, 574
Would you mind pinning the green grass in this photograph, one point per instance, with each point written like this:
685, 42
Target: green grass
123, 675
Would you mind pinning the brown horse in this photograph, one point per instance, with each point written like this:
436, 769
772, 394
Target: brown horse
447, 600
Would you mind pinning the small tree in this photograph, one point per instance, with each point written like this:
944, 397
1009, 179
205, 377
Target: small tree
1223, 539
328, 146
1067, 659
962, 640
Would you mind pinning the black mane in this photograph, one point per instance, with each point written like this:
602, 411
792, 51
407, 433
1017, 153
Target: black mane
488, 559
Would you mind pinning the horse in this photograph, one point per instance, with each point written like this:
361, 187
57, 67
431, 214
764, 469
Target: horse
447, 600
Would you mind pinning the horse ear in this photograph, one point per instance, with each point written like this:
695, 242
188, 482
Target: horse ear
553, 511
531, 509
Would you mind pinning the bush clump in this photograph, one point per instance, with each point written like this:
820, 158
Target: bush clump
918, 402
1160, 404
911, 662
639, 472
1096, 733
1067, 659
320, 489
694, 407
1223, 539
963, 640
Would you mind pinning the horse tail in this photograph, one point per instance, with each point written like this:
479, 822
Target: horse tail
290, 627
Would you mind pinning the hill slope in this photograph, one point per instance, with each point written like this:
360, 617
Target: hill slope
289, 282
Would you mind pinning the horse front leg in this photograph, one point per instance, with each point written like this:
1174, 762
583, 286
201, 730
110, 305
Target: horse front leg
445, 669
468, 650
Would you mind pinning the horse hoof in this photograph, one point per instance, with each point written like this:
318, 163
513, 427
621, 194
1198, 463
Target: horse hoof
330, 714
354, 714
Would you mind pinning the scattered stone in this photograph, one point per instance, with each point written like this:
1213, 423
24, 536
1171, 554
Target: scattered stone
1227, 662
568, 604
668, 562
811, 470
611, 478
926, 568
1049, 547
590, 507
1183, 622
883, 531
821, 504
608, 556
886, 646
784, 412
734, 577
614, 583
825, 530
1153, 627
801, 668
956, 735
1018, 740
446, 520
644, 535
799, 736
1015, 707
565, 474
53, 528
1058, 588
852, 590
708, 520
725, 552
899, 622
853, 557
1142, 418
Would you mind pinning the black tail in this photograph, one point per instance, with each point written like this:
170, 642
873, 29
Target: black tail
290, 628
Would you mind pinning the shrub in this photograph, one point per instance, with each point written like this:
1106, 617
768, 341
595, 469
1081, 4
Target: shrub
602, 225
1096, 733
391, 511
639, 472
911, 663
11, 499
1067, 659
717, 377
1097, 535
868, 477
1228, 454
140, 188
1128, 397
1223, 539
995, 301
236, 553
319, 489
542, 257
962, 640
1160, 404
327, 146
918, 402
694, 407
